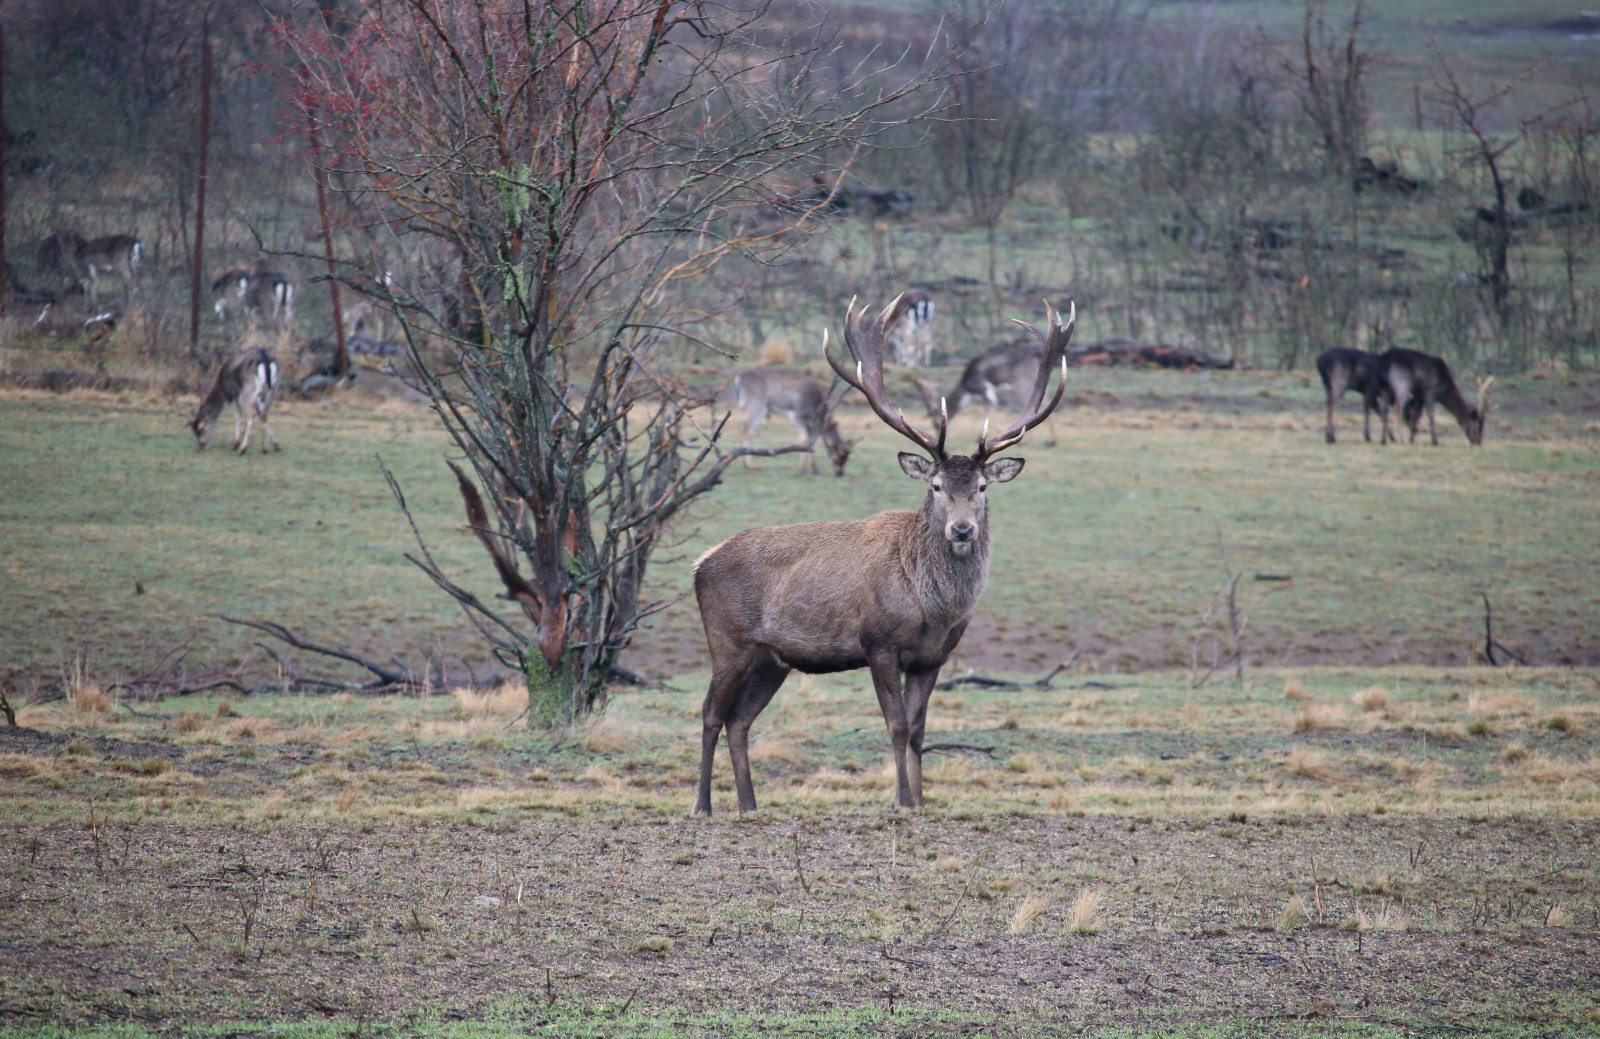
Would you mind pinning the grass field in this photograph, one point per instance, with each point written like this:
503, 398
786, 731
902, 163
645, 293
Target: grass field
1325, 848
1112, 543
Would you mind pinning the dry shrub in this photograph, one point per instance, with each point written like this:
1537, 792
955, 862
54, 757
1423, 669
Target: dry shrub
1369, 700
243, 730
88, 698
1514, 753
777, 351
1294, 692
190, 721
1314, 717
1310, 763
349, 797
155, 766
1084, 917
1293, 915
1028, 910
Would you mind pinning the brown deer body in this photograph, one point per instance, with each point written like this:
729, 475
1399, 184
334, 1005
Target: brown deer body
803, 401
1344, 369
1421, 381
87, 260
892, 593
249, 382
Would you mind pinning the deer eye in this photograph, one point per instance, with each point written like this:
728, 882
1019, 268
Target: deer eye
982, 487
937, 488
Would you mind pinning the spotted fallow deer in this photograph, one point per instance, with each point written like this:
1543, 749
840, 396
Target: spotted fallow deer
1344, 369
250, 383
1421, 381
804, 402
892, 593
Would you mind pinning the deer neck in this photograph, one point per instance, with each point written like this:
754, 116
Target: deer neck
948, 585
1450, 396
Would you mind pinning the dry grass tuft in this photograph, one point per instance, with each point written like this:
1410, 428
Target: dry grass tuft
87, 698
503, 701
1084, 917
607, 735
1557, 917
1564, 723
1317, 717
1028, 910
776, 352
1310, 763
1086, 703
225, 709
1062, 799
1294, 692
1293, 915
23, 766
1375, 698
1385, 918
190, 721
949, 864
771, 747
1514, 753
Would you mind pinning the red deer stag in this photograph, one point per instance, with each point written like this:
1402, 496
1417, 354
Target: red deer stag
800, 398
892, 592
1421, 380
250, 383
1342, 370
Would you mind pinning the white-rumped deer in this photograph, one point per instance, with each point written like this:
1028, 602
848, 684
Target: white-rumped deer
1421, 381
258, 292
249, 382
1344, 369
1004, 371
910, 328
892, 592
803, 401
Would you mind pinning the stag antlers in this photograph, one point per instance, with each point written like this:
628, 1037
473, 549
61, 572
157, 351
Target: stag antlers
866, 341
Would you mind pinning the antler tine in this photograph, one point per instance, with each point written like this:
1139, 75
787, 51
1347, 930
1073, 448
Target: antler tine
1036, 411
866, 348
1483, 394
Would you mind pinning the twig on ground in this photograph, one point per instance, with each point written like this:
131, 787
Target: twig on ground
936, 747
988, 682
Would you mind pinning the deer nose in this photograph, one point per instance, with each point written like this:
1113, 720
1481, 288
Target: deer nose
962, 531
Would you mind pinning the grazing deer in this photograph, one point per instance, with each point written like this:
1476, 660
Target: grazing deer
1421, 381
802, 400
1002, 370
909, 329
892, 592
1342, 370
117, 254
228, 291
250, 383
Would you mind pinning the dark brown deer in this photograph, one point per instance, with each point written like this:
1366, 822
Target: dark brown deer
1342, 370
1421, 381
86, 261
804, 402
892, 592
250, 383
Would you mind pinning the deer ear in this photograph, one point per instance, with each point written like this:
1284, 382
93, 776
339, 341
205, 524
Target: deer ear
1003, 469
916, 466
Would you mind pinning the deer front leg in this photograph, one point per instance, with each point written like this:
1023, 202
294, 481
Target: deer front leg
1433, 432
238, 424
892, 701
269, 435
919, 689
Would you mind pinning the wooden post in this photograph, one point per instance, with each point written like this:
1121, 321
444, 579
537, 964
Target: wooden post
200, 194
343, 356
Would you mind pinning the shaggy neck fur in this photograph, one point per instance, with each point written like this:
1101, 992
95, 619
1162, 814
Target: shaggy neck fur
948, 584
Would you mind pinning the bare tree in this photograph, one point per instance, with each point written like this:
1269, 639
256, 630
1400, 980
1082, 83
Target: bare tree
577, 164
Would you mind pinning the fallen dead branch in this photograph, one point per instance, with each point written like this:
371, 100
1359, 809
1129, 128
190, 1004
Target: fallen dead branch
386, 678
989, 682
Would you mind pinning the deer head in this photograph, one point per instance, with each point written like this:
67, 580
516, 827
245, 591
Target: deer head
838, 447
957, 484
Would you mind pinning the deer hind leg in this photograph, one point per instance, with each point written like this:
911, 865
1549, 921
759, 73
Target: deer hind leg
753, 418
238, 424
1433, 432
267, 435
720, 700
807, 438
760, 685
